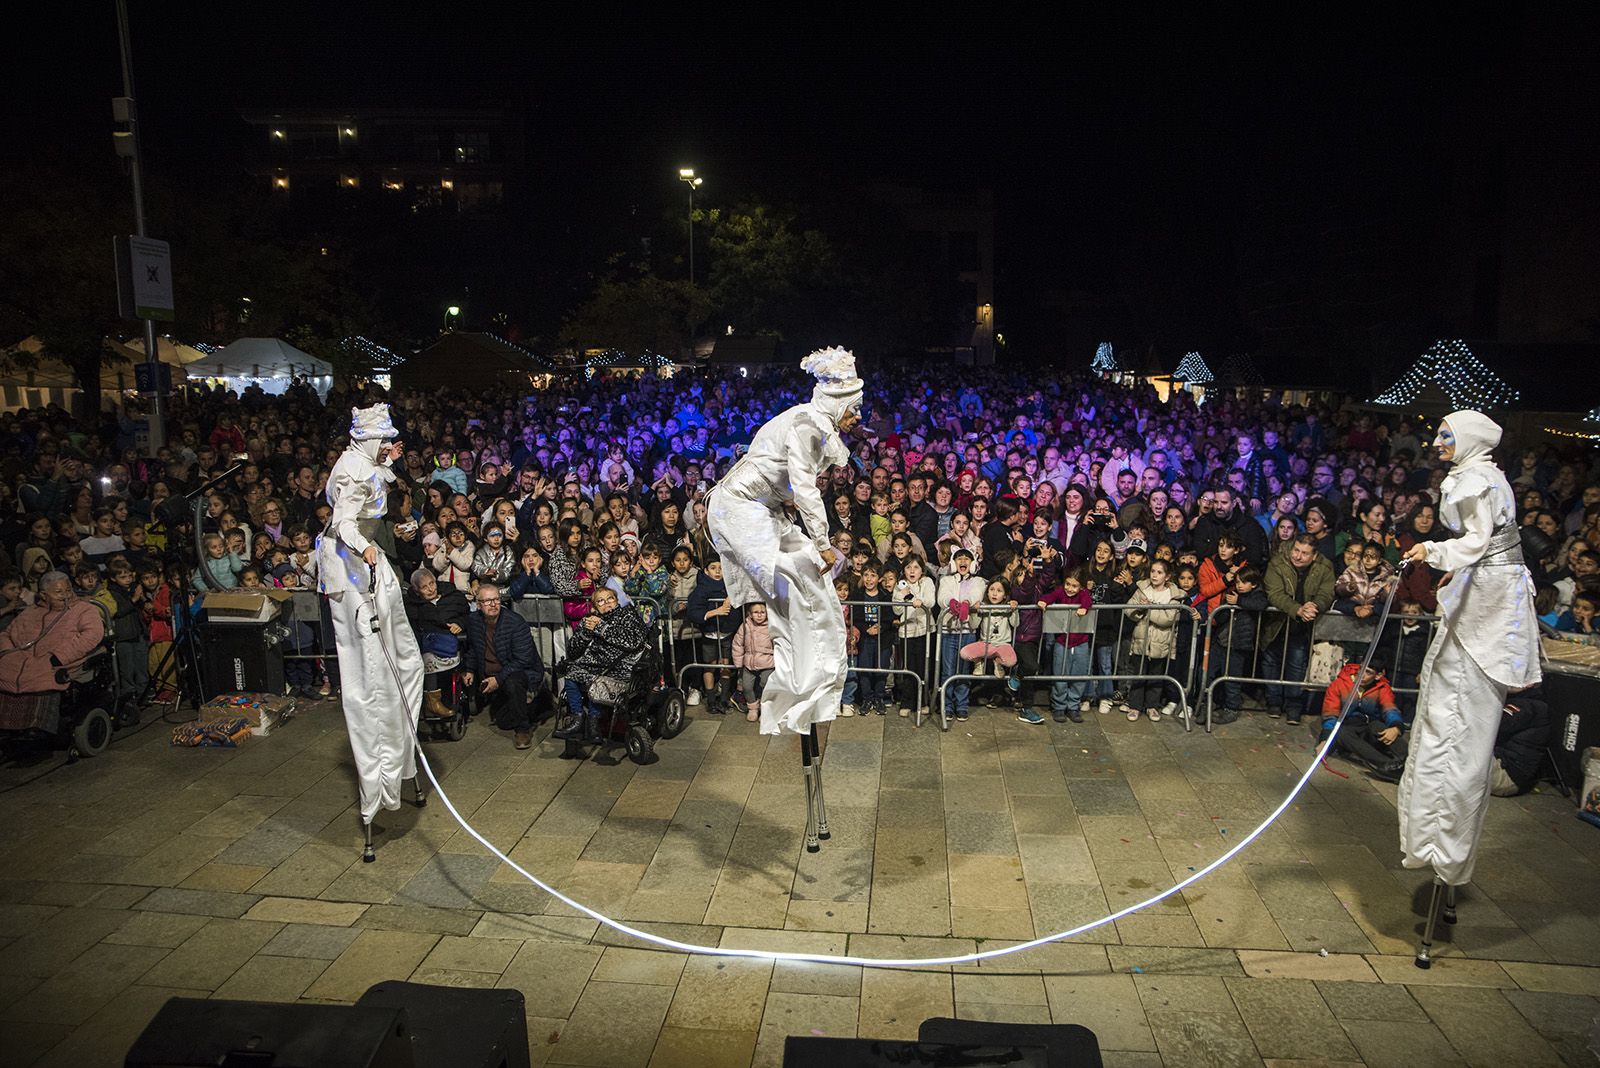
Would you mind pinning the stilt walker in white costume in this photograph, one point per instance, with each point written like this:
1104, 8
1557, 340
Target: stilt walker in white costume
1486, 645
380, 666
766, 557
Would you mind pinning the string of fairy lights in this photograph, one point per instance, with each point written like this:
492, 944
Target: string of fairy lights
1105, 360
1193, 370
1463, 378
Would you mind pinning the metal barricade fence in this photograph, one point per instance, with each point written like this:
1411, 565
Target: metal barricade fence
1109, 653
1237, 651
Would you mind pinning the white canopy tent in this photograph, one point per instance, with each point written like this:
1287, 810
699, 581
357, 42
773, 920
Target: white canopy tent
262, 361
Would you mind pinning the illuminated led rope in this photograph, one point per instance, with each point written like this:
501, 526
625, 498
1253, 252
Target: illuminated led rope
961, 958
1466, 381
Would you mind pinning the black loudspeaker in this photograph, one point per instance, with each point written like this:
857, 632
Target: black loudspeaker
1574, 700
458, 1027
808, 1052
198, 1033
1067, 1045
242, 658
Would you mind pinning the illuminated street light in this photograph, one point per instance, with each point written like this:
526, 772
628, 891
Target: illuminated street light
686, 176
452, 312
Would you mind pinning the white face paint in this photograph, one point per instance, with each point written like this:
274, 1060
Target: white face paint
1445, 442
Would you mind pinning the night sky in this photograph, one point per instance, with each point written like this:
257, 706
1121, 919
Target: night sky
1293, 190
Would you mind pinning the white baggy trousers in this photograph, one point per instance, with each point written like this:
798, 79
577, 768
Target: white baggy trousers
1444, 793
808, 643
379, 709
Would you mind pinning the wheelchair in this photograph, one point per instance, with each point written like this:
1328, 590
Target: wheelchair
452, 693
88, 712
641, 711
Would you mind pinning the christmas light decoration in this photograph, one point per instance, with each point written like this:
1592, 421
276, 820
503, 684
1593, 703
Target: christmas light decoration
1192, 369
369, 352
1465, 380
1105, 360
1593, 416
649, 361
1240, 370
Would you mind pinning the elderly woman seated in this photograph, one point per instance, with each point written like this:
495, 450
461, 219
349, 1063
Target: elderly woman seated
600, 658
439, 617
41, 650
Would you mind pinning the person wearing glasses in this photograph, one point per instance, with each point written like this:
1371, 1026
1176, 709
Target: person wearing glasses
502, 665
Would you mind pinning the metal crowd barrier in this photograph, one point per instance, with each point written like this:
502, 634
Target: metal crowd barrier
1059, 620
1337, 628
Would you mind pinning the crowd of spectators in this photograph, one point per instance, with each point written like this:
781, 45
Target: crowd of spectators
978, 504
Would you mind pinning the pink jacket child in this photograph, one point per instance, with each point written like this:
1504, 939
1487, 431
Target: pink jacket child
752, 646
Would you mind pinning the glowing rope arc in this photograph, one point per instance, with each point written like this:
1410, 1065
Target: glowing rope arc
911, 962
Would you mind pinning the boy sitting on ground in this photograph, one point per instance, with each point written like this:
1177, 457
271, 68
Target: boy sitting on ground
1372, 731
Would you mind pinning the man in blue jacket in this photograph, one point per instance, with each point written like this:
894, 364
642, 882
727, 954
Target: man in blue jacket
503, 663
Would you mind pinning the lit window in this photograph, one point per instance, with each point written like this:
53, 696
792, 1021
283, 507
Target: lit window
393, 184
349, 181
280, 182
446, 184
277, 135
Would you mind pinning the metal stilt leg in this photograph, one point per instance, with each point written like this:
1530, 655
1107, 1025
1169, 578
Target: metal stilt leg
812, 845
367, 855
1435, 905
816, 774
419, 791
1449, 913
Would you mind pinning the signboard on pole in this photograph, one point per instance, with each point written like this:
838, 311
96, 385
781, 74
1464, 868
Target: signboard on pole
144, 278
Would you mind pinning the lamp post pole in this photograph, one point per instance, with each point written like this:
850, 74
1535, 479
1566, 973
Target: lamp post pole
686, 176
158, 433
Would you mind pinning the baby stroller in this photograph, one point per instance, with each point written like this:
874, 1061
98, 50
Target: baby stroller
641, 710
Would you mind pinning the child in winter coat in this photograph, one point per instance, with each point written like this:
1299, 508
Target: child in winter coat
156, 610
681, 581
1361, 586
844, 587
493, 561
959, 595
752, 655
128, 632
716, 619
452, 560
1235, 647
1372, 731
870, 617
1069, 652
1155, 642
997, 625
221, 569
647, 583
913, 598
1409, 637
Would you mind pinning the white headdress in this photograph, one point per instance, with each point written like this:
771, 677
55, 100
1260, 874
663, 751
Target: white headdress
367, 424
837, 389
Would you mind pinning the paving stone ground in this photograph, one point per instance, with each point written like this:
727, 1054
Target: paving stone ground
152, 872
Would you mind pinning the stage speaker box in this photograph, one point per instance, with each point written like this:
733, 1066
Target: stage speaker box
242, 658
458, 1027
1574, 700
200, 1033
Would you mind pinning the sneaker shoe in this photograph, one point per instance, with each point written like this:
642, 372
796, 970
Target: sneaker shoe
694, 697
1083, 706
1028, 715
1074, 715
1292, 719
752, 712
523, 740
1133, 714
846, 711
1105, 705
1274, 713
981, 667
1119, 696
961, 717
1169, 708
880, 708
1129, 708
1154, 714
905, 710
325, 688
1059, 717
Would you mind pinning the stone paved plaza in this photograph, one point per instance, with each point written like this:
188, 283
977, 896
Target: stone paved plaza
151, 872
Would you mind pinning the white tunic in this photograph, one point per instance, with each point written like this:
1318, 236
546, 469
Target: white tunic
767, 558
1486, 644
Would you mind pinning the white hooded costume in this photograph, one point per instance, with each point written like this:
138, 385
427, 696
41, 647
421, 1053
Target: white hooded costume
767, 558
1486, 645
380, 710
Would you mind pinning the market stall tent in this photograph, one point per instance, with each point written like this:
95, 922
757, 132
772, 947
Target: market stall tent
472, 361
261, 361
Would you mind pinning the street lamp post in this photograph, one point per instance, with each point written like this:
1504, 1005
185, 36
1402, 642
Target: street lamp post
453, 311
128, 145
686, 176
